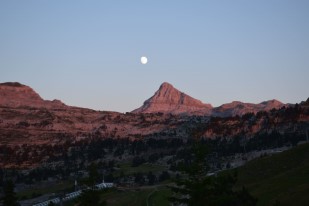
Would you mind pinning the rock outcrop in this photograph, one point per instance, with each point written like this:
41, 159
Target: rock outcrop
170, 100
14, 94
239, 108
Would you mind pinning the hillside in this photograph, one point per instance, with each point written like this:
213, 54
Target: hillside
27, 120
282, 177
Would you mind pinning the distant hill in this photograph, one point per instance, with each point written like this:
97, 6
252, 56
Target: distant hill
283, 177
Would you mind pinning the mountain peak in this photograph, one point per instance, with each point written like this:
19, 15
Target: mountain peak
166, 85
168, 99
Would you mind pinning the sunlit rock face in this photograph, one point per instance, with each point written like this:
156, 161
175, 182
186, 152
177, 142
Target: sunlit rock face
26, 118
239, 108
14, 94
170, 100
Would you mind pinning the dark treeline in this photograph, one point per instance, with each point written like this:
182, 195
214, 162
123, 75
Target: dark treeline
65, 160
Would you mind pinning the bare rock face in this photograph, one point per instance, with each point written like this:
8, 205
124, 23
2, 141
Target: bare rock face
233, 108
271, 104
170, 100
240, 108
14, 94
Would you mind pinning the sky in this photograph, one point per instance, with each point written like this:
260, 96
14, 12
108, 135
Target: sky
87, 53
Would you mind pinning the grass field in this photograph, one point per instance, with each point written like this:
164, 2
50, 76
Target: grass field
126, 198
139, 197
156, 196
282, 177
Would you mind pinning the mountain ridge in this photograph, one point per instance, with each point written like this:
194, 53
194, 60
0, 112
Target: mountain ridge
34, 121
168, 99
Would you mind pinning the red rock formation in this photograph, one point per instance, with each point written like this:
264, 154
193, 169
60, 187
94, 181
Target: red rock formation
240, 108
271, 104
14, 94
170, 100
25, 118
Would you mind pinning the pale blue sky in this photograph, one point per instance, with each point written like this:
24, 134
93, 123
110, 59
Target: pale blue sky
87, 53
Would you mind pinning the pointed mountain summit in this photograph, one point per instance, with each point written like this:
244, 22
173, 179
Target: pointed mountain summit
170, 100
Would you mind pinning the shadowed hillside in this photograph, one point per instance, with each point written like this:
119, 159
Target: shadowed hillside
281, 178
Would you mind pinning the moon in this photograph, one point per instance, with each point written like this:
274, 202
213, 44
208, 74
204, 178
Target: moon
144, 60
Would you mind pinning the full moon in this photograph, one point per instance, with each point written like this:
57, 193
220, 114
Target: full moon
144, 60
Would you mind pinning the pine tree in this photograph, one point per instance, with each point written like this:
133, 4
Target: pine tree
91, 198
9, 198
93, 174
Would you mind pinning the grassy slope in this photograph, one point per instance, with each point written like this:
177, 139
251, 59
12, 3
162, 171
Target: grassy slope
160, 197
283, 177
156, 196
126, 198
